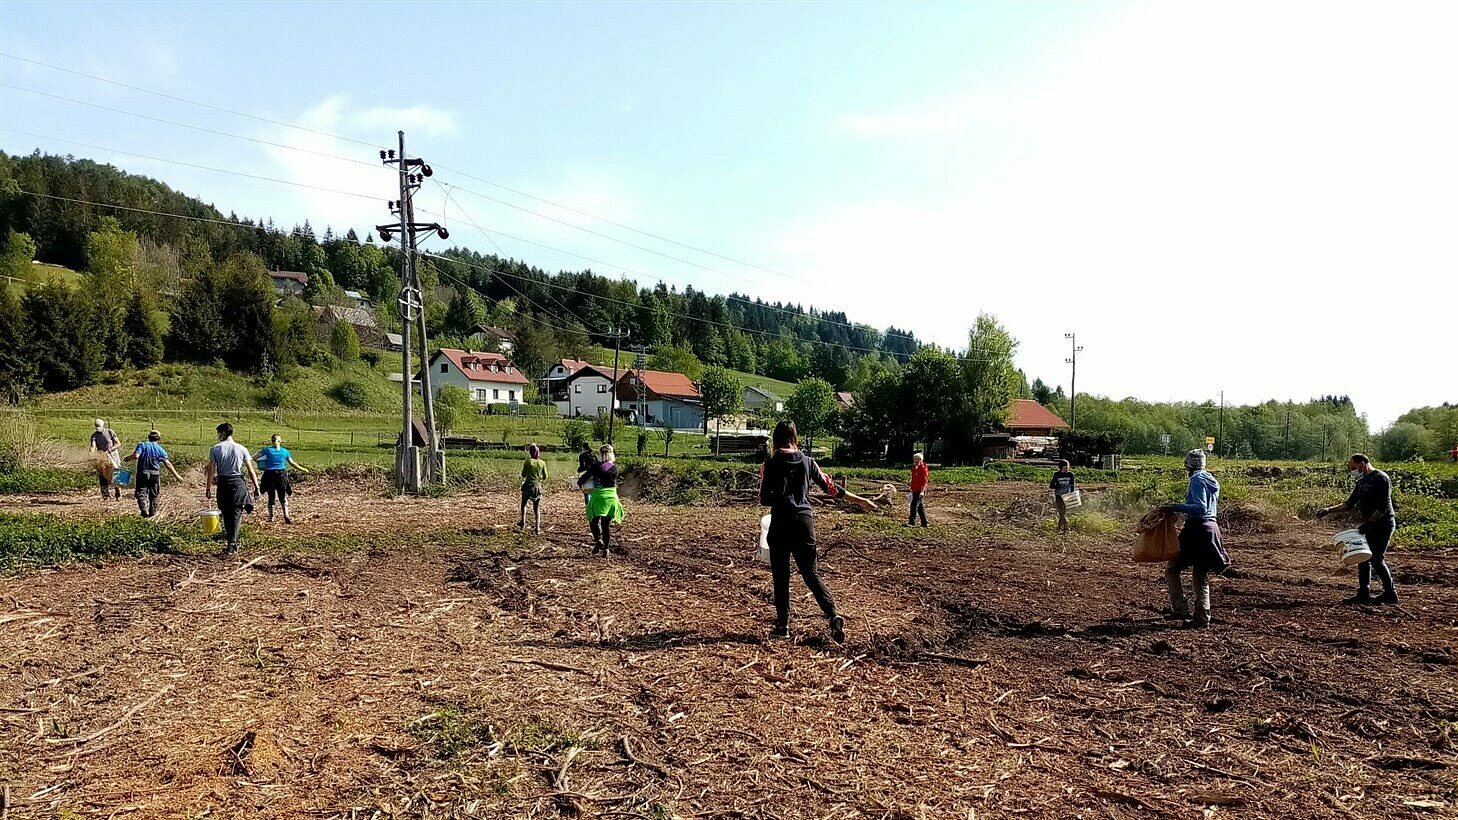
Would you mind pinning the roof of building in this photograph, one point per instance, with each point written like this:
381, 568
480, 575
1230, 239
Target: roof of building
760, 390
571, 366
354, 294
477, 366
394, 339
359, 317
291, 275
845, 399
1026, 414
498, 332
659, 383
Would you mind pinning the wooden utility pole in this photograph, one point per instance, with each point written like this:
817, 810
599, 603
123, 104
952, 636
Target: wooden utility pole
1073, 381
618, 336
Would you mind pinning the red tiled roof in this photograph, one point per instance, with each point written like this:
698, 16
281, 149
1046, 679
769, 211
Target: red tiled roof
574, 365
1026, 414
477, 366
660, 383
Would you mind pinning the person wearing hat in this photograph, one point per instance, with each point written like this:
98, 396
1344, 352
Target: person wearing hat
1372, 499
533, 480
1200, 547
104, 454
150, 458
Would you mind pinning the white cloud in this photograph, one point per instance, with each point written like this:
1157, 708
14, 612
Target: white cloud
1213, 198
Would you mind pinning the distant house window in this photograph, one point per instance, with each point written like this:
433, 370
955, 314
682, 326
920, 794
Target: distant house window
480, 394
495, 394
602, 388
511, 395
576, 388
445, 367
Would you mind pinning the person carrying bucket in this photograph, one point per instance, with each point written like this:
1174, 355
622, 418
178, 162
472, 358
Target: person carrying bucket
105, 455
785, 488
920, 478
1062, 485
603, 507
1200, 547
150, 458
275, 459
1372, 499
533, 481
228, 462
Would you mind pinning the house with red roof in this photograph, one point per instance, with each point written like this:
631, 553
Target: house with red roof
671, 399
1026, 417
552, 382
586, 391
490, 378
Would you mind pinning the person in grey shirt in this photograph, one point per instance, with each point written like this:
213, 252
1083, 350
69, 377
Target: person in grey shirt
228, 462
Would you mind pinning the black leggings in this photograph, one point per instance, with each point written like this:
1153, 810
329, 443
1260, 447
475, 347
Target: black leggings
602, 529
918, 507
1378, 535
794, 537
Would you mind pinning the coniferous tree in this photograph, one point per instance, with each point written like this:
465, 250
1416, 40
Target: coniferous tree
143, 337
19, 375
62, 342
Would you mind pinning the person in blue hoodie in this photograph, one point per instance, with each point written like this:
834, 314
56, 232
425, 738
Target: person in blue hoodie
785, 488
1200, 547
150, 458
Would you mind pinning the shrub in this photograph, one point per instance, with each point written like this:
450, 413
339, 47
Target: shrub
35, 540
276, 393
344, 342
575, 433
371, 357
350, 394
44, 480
600, 429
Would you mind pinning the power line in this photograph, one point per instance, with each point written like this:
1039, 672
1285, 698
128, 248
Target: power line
344, 138
165, 121
488, 269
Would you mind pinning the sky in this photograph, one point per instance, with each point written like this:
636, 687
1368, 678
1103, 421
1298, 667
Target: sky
1249, 197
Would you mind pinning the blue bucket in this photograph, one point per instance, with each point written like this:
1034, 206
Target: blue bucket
122, 476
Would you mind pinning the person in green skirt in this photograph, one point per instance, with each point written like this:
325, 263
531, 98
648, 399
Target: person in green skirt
603, 507
533, 479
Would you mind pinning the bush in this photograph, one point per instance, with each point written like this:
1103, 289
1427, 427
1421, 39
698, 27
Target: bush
575, 433
36, 540
600, 429
371, 357
350, 394
275, 394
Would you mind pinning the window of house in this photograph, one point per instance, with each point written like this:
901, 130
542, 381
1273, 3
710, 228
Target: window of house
445, 367
576, 388
602, 388
495, 394
511, 395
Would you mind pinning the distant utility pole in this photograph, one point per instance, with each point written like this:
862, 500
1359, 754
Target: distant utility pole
1222, 424
617, 336
640, 402
1073, 380
1286, 444
412, 309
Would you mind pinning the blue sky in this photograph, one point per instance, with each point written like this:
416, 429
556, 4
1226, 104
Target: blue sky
1209, 196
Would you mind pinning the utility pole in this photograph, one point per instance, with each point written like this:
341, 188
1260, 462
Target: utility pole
618, 337
640, 402
411, 307
1073, 380
1222, 424
1286, 443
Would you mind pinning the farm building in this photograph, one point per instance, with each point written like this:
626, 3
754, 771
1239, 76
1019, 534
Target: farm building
844, 400
288, 281
1026, 417
489, 377
759, 400
588, 391
498, 338
669, 398
394, 342
363, 321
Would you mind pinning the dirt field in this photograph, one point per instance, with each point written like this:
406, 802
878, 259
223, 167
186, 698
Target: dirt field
992, 670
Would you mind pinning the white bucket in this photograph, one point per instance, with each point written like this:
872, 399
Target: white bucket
762, 554
1354, 547
1073, 499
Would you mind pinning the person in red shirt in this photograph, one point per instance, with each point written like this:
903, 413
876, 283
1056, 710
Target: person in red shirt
920, 477
1454, 453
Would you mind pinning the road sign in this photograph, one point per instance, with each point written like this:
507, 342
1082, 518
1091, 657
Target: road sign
1210, 444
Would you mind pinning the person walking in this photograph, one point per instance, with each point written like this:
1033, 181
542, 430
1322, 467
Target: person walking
920, 477
1372, 499
275, 459
105, 455
1200, 547
150, 458
585, 461
1453, 453
1061, 485
785, 488
228, 463
603, 507
533, 480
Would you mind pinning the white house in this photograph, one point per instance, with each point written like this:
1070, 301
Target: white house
489, 377
757, 400
552, 382
288, 281
668, 398
587, 392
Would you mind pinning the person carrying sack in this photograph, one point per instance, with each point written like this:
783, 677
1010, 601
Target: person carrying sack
1200, 547
1372, 499
228, 462
533, 479
603, 507
105, 455
150, 458
276, 460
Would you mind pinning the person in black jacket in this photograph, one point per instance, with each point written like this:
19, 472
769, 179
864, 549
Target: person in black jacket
785, 488
1372, 499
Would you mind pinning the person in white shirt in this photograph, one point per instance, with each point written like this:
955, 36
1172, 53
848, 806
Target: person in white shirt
228, 462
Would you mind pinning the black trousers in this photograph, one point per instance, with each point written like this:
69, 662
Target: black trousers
602, 529
1379, 535
794, 537
149, 489
918, 507
232, 499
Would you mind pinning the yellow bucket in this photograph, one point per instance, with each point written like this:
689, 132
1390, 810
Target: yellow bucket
211, 521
